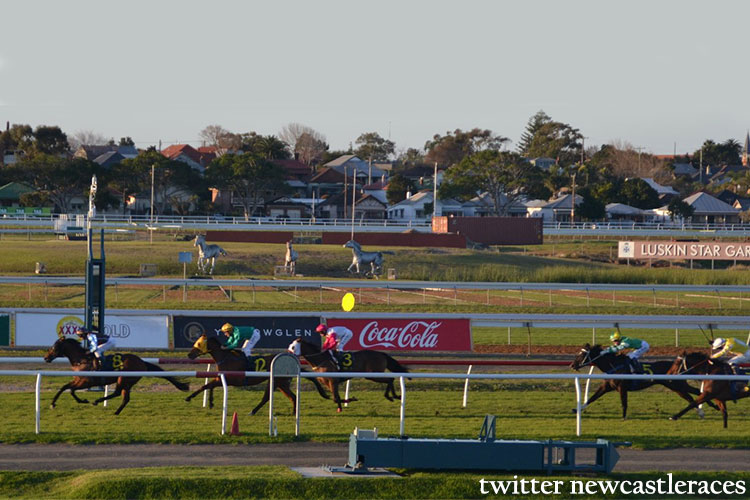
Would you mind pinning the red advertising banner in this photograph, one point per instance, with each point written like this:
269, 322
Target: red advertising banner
407, 334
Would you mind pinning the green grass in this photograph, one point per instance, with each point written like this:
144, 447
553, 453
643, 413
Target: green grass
525, 410
281, 483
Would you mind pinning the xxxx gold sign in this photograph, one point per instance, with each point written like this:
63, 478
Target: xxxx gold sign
683, 250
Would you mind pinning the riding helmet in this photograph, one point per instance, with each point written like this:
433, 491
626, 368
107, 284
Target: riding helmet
719, 343
227, 328
82, 330
321, 328
615, 337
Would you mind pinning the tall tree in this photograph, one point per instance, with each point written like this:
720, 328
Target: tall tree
372, 146
268, 147
454, 146
86, 138
410, 158
398, 186
556, 140
505, 176
221, 139
715, 154
250, 177
50, 140
306, 143
532, 127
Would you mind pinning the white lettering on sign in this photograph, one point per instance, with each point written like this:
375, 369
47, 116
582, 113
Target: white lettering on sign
416, 334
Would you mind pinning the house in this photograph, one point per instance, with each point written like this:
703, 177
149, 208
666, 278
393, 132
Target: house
91, 152
623, 212
543, 162
188, 154
369, 207
365, 173
710, 209
287, 207
724, 174
483, 206
10, 193
685, 170
558, 210
377, 189
109, 159
413, 207
742, 204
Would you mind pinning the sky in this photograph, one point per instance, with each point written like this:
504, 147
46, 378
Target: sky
660, 75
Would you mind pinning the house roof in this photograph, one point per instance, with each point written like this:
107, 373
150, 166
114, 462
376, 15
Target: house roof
293, 167
377, 185
705, 204
175, 150
564, 202
327, 175
14, 190
341, 163
622, 209
742, 204
109, 158
371, 198
684, 169
419, 197
658, 187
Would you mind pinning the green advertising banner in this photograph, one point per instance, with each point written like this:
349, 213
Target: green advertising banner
4, 329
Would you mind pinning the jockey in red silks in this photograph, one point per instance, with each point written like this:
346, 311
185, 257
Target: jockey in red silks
334, 338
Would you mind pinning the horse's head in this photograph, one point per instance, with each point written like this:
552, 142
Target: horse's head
200, 347
583, 358
199, 240
64, 346
300, 347
691, 362
352, 244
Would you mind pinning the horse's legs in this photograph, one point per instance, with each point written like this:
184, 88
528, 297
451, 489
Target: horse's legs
125, 398
69, 385
723, 406
75, 396
213, 263
601, 391
624, 400
210, 388
116, 392
336, 397
264, 399
287, 391
706, 396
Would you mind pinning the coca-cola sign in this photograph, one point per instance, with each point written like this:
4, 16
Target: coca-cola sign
407, 334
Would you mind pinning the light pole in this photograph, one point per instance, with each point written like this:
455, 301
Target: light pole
151, 218
639, 160
573, 203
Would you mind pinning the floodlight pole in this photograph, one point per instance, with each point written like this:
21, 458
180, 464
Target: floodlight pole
151, 218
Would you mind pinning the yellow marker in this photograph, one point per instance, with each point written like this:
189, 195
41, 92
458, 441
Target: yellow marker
347, 303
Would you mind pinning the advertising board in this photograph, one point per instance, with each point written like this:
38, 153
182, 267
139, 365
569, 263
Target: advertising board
275, 332
407, 334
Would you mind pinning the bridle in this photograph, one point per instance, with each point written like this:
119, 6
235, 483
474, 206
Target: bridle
683, 365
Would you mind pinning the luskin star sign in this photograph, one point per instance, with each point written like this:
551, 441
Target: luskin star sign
683, 250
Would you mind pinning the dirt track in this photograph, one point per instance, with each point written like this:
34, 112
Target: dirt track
72, 457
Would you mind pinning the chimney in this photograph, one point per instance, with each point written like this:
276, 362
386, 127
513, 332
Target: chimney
408, 195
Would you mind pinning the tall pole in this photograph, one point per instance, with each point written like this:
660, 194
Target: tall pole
151, 219
369, 172
354, 198
701, 165
346, 190
434, 193
573, 204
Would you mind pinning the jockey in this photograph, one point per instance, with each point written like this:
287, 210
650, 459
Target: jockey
334, 338
620, 343
732, 351
97, 344
247, 335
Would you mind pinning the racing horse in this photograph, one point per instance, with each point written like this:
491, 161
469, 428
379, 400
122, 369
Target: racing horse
361, 258
82, 360
358, 361
234, 360
206, 252
290, 260
719, 390
618, 363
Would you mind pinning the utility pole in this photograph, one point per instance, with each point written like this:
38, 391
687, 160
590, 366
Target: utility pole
434, 193
573, 204
354, 198
701, 165
639, 161
151, 223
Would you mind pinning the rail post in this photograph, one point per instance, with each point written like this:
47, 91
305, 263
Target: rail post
588, 383
205, 393
578, 406
224, 404
403, 405
466, 387
297, 406
38, 401
346, 393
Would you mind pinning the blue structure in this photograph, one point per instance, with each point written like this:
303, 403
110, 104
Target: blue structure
485, 453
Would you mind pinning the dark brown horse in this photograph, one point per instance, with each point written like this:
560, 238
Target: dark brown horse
233, 360
81, 360
354, 361
618, 363
721, 391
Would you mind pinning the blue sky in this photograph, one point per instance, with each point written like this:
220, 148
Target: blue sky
644, 72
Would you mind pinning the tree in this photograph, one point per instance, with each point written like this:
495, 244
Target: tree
714, 154
249, 176
127, 141
503, 175
372, 146
59, 179
268, 147
306, 143
17, 138
678, 208
637, 193
221, 139
411, 157
532, 127
86, 138
591, 208
450, 149
556, 140
398, 186
50, 140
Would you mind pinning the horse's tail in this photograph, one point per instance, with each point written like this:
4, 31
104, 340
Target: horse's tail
180, 385
394, 365
387, 252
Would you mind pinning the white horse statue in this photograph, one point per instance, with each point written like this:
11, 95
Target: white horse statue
375, 259
290, 261
206, 252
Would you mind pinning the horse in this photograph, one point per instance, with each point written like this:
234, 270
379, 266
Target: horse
82, 360
359, 361
719, 390
234, 360
359, 257
618, 363
206, 252
290, 261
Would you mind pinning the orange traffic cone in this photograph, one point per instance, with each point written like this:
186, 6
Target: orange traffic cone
235, 426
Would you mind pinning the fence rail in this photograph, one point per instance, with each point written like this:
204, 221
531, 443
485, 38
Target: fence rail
576, 378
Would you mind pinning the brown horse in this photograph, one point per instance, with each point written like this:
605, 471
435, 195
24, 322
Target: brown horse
233, 360
721, 391
618, 363
358, 361
81, 360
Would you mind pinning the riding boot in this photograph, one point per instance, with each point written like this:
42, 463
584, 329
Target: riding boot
97, 363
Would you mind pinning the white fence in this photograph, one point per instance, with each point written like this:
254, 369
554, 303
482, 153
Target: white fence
400, 376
